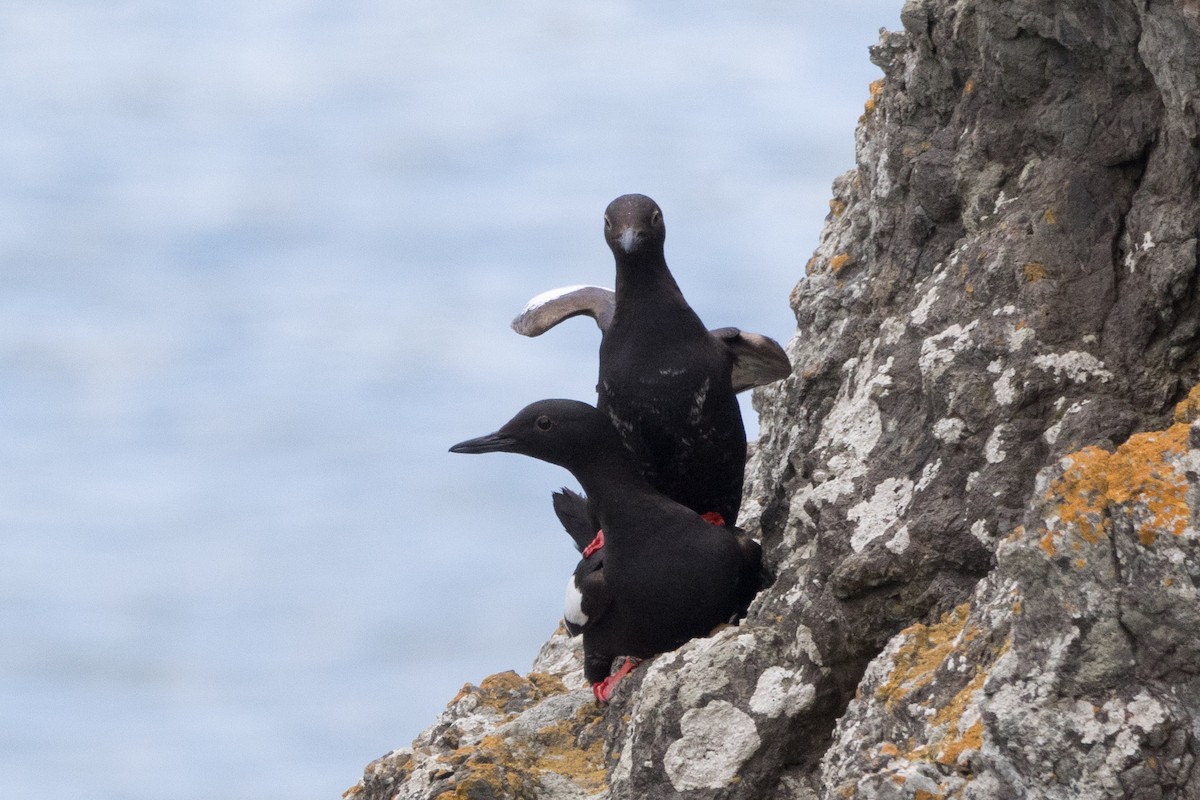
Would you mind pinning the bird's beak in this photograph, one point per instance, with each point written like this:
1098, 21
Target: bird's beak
629, 239
492, 443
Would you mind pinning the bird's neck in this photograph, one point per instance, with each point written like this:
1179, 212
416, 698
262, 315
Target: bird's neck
616, 490
647, 292
645, 277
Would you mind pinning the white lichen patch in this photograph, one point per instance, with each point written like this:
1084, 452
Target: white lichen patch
878, 514
806, 644
891, 329
1003, 387
1019, 336
993, 450
716, 740
898, 543
851, 430
920, 314
781, 691
1075, 365
979, 530
1054, 431
939, 350
928, 474
1002, 201
949, 429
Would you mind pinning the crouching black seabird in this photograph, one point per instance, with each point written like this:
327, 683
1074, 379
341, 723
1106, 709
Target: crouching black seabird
667, 383
668, 576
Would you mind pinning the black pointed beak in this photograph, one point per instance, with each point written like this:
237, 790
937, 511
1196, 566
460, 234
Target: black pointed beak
492, 443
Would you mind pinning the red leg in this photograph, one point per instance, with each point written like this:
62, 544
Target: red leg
603, 690
596, 544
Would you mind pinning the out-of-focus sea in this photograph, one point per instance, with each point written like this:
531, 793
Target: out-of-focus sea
257, 265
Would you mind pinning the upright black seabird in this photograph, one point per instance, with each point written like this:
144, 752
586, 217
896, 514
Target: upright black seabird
669, 576
667, 383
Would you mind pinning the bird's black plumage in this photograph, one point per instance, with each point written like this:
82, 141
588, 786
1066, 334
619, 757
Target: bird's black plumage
668, 575
665, 381
572, 511
580, 523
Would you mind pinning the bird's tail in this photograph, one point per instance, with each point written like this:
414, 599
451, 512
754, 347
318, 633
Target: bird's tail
572, 511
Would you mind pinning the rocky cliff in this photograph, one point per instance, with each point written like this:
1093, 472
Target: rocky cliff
980, 487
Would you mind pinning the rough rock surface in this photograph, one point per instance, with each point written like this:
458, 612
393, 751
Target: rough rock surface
979, 489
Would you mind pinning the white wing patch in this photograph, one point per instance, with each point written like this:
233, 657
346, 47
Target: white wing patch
553, 294
573, 605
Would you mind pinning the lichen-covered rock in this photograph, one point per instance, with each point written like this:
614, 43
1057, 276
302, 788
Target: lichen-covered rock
509, 737
1073, 670
976, 490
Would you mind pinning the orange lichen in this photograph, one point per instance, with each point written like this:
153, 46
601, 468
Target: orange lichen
924, 649
869, 107
1050, 217
500, 767
547, 684
889, 749
955, 741
1035, 271
839, 262
970, 86
1137, 474
952, 750
836, 207
1188, 409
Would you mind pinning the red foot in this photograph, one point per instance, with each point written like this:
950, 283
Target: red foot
604, 689
596, 544
713, 518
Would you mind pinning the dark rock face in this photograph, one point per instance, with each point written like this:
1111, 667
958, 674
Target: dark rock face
979, 504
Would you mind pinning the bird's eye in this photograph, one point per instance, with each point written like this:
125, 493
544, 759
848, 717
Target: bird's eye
656, 218
607, 223
543, 423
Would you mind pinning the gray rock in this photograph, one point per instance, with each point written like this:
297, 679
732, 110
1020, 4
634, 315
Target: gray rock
976, 490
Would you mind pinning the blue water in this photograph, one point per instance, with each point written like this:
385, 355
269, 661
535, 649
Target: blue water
257, 264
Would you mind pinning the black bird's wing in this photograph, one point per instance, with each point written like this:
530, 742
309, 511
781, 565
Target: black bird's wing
593, 589
754, 576
571, 508
548, 309
757, 359
572, 511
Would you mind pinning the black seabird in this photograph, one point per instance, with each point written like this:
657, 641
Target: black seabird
667, 383
668, 576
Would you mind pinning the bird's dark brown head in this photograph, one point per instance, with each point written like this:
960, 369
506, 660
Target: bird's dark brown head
633, 226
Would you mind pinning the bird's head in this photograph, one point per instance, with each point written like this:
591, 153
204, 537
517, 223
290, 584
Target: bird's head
568, 433
633, 226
